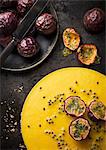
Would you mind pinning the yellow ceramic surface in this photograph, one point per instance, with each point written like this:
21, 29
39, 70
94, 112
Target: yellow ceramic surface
45, 127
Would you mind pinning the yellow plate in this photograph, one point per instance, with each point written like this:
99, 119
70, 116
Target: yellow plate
44, 124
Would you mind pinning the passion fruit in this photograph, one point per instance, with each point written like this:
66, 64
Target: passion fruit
87, 53
79, 129
28, 47
74, 106
97, 110
8, 23
24, 5
71, 39
46, 23
94, 20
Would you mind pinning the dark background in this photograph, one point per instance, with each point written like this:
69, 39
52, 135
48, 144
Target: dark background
15, 86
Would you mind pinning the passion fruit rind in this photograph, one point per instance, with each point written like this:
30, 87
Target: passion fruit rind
87, 53
46, 24
28, 47
94, 20
75, 105
81, 130
8, 23
98, 112
71, 39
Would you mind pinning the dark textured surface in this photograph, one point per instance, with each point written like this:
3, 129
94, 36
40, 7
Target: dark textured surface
16, 86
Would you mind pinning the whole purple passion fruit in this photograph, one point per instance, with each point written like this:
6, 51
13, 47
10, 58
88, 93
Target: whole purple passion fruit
74, 106
46, 23
28, 47
8, 3
97, 111
8, 23
79, 129
24, 5
94, 20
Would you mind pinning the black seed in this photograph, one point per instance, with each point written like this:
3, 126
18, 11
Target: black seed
74, 91
28, 126
40, 88
76, 82
84, 91
46, 131
60, 100
87, 93
97, 97
44, 109
93, 96
55, 116
44, 97
39, 125
94, 93
49, 103
70, 88
90, 90
97, 82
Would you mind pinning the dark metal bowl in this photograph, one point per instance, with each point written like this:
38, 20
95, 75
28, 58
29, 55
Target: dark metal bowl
15, 62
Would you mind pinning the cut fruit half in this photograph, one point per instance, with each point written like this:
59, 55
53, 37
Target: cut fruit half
87, 53
97, 110
71, 39
79, 129
74, 106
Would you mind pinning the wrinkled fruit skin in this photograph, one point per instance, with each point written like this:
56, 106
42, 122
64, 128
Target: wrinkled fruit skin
8, 3
46, 24
8, 23
23, 5
28, 47
94, 20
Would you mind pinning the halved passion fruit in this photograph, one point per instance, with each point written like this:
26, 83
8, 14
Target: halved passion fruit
71, 39
87, 53
97, 110
74, 106
79, 129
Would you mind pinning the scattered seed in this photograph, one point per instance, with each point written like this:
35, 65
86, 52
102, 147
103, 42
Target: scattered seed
44, 97
44, 109
40, 88
97, 82
28, 126
76, 82
39, 125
